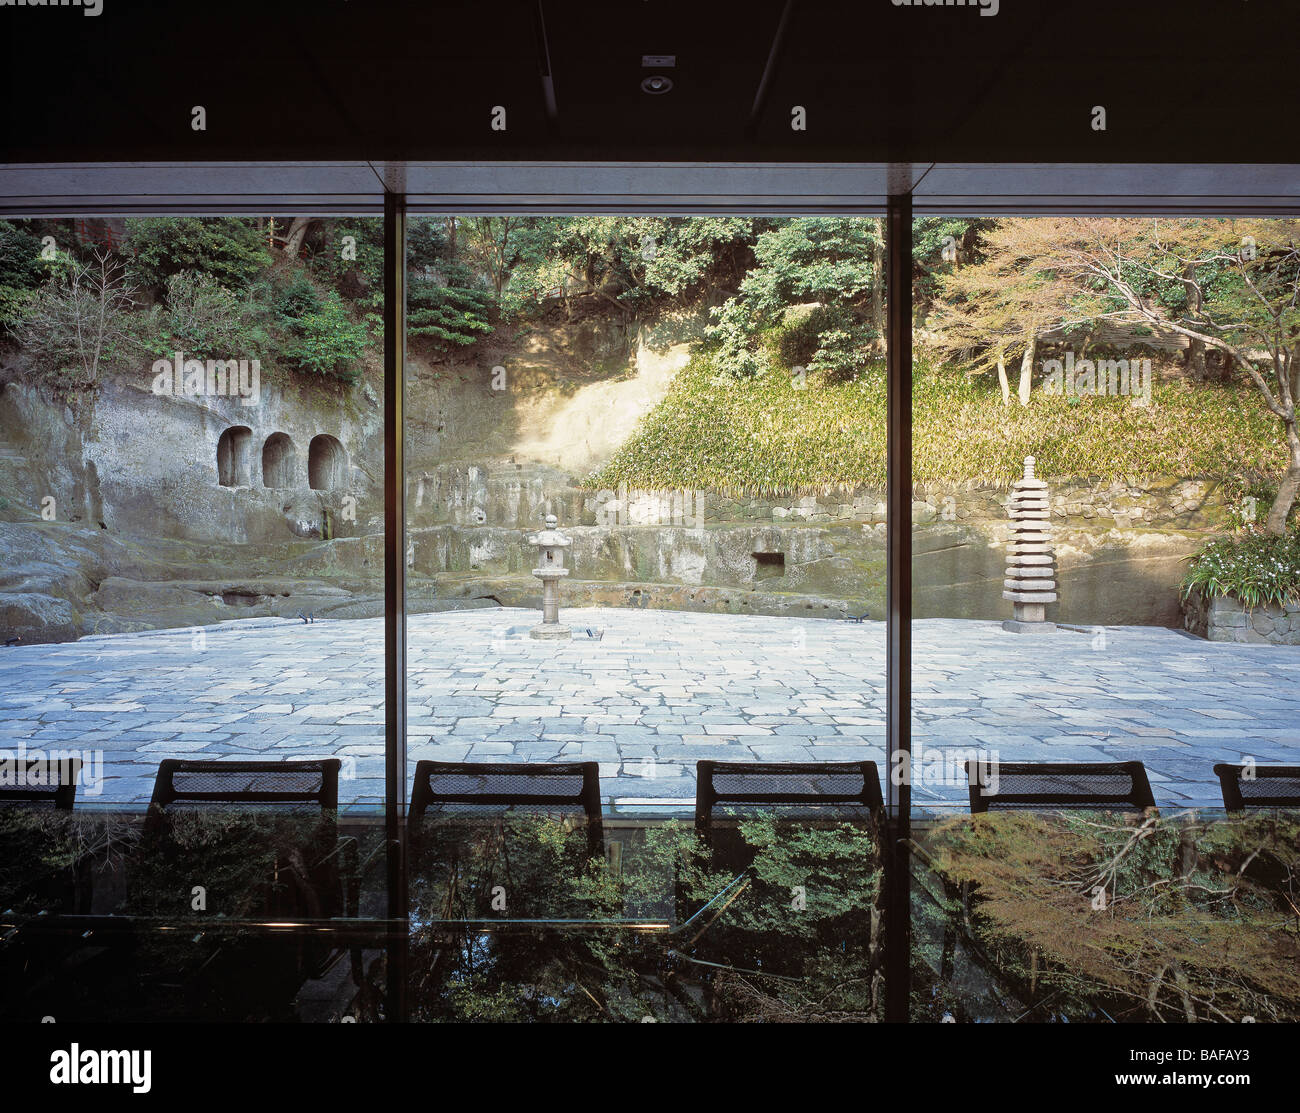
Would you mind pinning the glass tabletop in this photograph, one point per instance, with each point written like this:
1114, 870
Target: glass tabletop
237, 913
1094, 916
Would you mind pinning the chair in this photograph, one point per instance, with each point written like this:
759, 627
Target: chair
805, 789
829, 796
243, 782
34, 789
538, 787
1269, 786
287, 787
460, 812
1032, 785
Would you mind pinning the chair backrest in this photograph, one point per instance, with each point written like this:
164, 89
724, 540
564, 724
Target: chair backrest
1266, 786
1031, 785
46, 781
805, 788
539, 786
245, 782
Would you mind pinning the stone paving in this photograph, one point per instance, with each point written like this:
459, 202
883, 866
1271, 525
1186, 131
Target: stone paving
647, 694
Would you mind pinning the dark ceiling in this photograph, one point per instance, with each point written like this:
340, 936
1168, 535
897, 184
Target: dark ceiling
1208, 81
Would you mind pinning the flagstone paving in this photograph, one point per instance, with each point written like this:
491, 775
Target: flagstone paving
648, 693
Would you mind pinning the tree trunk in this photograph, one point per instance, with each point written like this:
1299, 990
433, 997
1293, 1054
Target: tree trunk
1196, 368
1027, 368
297, 233
878, 280
1288, 488
1002, 381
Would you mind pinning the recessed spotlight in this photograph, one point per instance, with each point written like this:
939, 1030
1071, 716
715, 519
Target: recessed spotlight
656, 83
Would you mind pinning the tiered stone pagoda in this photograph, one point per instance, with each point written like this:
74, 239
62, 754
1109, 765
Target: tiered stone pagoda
1030, 581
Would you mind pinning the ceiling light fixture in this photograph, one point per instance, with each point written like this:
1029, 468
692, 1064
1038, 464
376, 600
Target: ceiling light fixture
656, 83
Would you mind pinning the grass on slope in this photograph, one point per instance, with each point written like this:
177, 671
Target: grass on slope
766, 436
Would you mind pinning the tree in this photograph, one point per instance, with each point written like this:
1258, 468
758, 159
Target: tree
297, 233
1251, 313
941, 244
228, 249
828, 266
22, 270
494, 243
994, 311
328, 342
445, 299
78, 322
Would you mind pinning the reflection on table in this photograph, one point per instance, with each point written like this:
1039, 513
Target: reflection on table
254, 914
1107, 917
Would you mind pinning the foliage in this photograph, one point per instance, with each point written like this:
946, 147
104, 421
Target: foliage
328, 342
767, 436
445, 299
78, 324
1242, 284
992, 312
205, 320
1197, 922
828, 262
297, 299
632, 264
1255, 568
41, 849
230, 250
360, 278
742, 948
452, 313
22, 271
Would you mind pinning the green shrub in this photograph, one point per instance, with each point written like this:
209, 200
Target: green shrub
297, 300
227, 249
205, 320
22, 271
329, 342
450, 307
1253, 567
360, 277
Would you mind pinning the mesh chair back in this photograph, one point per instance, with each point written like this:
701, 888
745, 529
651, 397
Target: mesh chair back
245, 782
830, 789
541, 788
1030, 785
45, 782
1267, 786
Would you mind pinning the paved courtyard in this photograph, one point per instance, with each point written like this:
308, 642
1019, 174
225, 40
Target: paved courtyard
647, 694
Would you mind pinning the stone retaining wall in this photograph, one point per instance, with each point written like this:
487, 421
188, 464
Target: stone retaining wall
1226, 619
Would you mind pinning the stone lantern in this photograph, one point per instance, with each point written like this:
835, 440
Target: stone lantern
550, 544
1030, 581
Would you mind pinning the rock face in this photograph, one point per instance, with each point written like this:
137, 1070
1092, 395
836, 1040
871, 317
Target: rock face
1223, 618
470, 519
143, 465
142, 510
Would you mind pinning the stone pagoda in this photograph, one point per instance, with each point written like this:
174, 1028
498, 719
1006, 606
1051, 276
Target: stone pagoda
1030, 581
